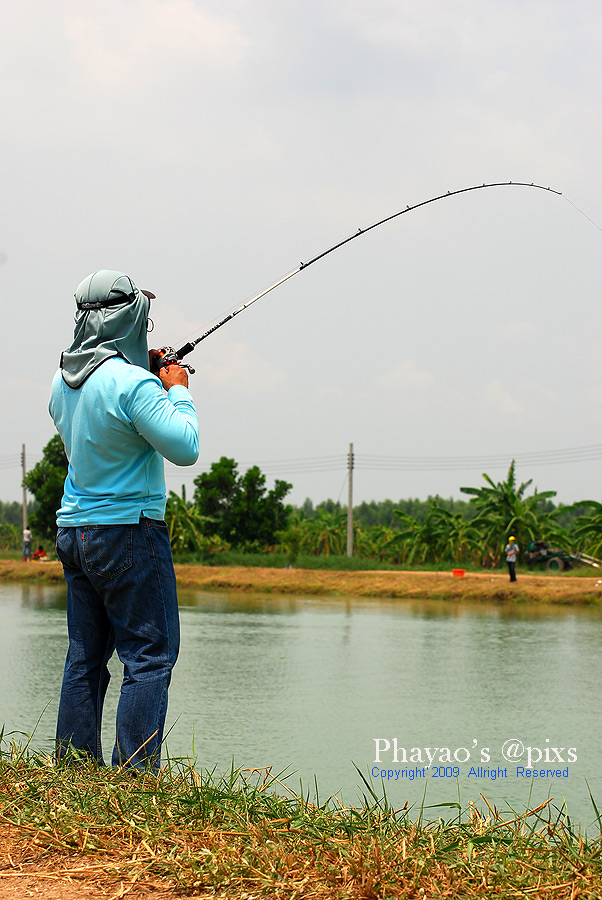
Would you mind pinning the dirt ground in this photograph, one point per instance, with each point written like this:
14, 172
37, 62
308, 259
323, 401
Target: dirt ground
485, 586
28, 870
476, 587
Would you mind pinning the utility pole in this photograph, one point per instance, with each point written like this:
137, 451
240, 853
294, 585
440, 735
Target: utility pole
24, 468
350, 502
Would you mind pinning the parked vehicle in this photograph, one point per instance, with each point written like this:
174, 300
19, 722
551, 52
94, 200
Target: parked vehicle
556, 559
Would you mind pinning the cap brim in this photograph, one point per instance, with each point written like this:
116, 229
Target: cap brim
148, 294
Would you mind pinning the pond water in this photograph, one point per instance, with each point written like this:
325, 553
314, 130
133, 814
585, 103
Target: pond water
439, 701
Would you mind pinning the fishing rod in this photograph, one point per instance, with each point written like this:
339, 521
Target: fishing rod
168, 356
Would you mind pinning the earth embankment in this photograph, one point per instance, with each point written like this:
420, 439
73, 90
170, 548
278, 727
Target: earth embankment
485, 586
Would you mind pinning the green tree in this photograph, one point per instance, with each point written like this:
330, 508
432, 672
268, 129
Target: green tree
458, 537
238, 508
503, 509
326, 533
375, 542
12, 513
588, 527
186, 529
10, 537
46, 482
215, 497
323, 534
422, 541
375, 513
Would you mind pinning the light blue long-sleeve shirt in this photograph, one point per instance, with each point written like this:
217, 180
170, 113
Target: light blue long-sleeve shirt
117, 428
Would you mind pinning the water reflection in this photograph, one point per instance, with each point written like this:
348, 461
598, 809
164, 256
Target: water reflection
309, 684
39, 596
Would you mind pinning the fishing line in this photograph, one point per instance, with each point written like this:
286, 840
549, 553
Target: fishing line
574, 205
167, 355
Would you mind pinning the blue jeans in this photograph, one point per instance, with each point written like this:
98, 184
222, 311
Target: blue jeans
121, 595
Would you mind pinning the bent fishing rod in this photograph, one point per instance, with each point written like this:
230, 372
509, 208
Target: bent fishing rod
168, 356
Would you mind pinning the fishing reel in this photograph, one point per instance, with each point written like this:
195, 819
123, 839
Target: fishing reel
167, 356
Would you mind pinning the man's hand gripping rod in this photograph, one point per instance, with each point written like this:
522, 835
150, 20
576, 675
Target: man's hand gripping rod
169, 356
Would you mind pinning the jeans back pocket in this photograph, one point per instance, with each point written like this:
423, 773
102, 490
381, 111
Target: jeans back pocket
107, 549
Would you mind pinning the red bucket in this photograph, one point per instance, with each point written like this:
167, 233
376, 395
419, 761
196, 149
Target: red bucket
458, 573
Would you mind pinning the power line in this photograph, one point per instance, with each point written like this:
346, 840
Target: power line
310, 465
14, 461
568, 455
295, 466
382, 463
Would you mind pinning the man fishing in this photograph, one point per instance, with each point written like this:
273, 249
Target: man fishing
117, 425
511, 550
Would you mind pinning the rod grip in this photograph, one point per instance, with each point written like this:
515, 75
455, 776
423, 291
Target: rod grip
183, 351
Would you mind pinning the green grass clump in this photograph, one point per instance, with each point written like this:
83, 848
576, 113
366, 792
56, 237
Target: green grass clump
247, 833
333, 562
277, 560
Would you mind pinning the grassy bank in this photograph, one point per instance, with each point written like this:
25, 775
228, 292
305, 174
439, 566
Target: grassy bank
249, 835
477, 587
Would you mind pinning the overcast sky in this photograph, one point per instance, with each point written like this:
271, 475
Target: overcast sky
206, 148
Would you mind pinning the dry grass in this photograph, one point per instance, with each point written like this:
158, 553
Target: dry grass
248, 836
15, 570
481, 587
474, 587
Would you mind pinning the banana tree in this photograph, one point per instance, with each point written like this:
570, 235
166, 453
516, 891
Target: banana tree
588, 527
187, 526
503, 509
422, 541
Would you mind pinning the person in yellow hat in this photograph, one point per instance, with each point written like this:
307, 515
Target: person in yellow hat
512, 551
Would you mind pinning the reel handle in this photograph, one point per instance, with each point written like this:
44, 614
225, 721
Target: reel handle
168, 357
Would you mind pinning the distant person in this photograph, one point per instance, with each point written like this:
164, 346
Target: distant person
512, 551
26, 554
40, 554
117, 425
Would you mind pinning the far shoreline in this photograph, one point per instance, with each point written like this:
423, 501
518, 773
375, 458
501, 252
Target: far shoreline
486, 586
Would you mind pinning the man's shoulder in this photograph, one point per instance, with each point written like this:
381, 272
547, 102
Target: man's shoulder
122, 372
57, 379
114, 369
